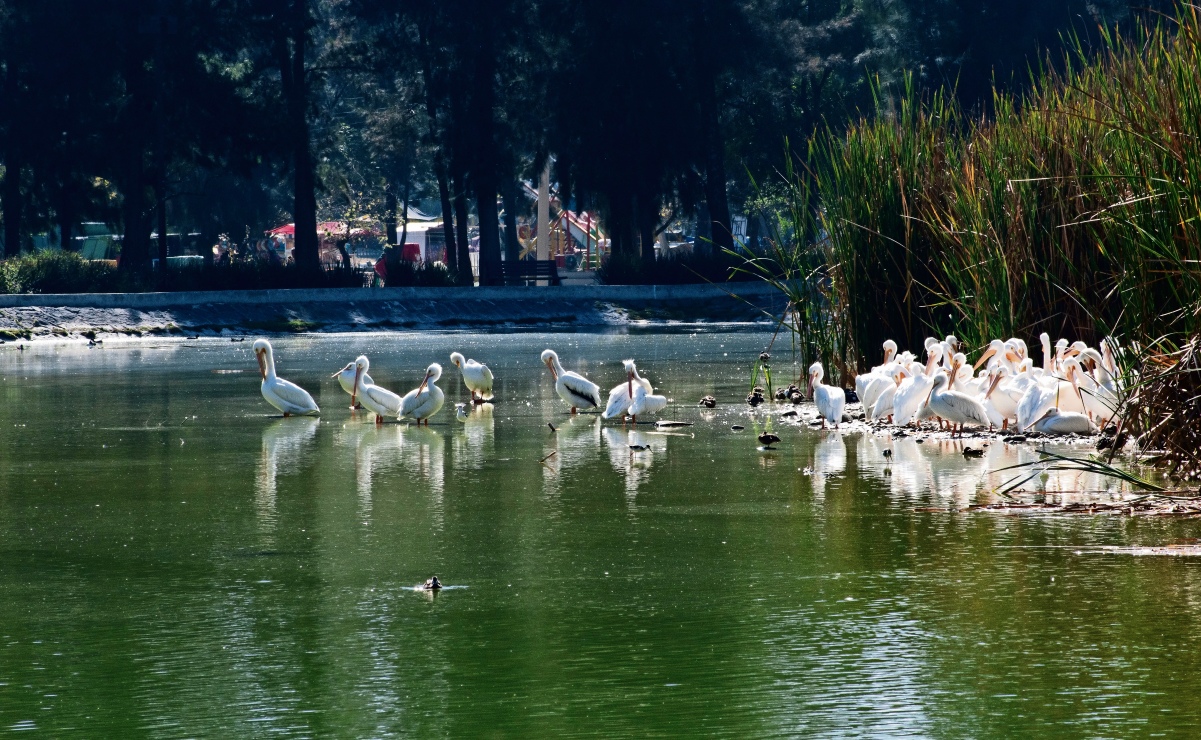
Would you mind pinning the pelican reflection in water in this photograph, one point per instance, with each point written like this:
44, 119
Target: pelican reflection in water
575, 442
286, 446
376, 449
632, 453
423, 459
473, 437
829, 458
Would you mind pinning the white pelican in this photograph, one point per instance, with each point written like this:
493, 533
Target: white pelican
862, 381
829, 399
646, 402
282, 394
999, 400
573, 388
914, 390
1045, 340
622, 394
476, 376
426, 399
883, 405
345, 378
380, 401
1055, 421
1100, 395
955, 407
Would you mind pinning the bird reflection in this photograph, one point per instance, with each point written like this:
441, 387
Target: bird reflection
573, 443
474, 442
829, 458
284, 446
632, 453
375, 448
423, 457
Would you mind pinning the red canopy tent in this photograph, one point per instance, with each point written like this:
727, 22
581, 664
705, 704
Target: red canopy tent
285, 230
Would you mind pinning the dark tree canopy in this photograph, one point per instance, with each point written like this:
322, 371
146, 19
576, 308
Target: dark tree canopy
233, 116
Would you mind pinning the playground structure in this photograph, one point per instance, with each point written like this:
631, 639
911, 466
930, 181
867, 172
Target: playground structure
575, 240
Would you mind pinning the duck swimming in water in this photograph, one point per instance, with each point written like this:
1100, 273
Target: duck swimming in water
432, 584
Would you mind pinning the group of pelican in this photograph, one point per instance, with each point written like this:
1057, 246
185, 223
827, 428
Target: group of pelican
419, 404
1076, 388
632, 397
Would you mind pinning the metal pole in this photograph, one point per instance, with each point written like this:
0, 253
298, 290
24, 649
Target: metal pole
544, 214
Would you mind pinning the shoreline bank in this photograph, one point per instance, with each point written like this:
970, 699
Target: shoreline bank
91, 315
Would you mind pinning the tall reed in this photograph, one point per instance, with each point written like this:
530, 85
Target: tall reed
1074, 209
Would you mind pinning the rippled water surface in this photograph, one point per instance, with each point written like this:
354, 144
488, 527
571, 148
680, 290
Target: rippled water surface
175, 561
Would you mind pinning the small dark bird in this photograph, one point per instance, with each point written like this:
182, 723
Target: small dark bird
787, 414
764, 357
432, 584
768, 439
888, 454
755, 397
239, 339
972, 452
738, 427
708, 402
552, 427
197, 336
94, 342
639, 448
21, 347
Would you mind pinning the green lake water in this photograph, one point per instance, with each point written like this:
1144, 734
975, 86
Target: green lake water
177, 561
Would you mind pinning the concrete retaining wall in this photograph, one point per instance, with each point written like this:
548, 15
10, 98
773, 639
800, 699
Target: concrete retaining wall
575, 293
382, 309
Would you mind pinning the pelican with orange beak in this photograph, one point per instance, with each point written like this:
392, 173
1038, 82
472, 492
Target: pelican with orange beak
829, 399
622, 395
575, 389
345, 378
426, 399
380, 401
286, 396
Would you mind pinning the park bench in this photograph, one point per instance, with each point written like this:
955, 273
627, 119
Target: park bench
524, 272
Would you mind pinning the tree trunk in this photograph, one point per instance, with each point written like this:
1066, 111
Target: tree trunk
304, 182
404, 219
714, 141
484, 176
439, 155
135, 244
465, 274
512, 197
10, 197
389, 214
647, 217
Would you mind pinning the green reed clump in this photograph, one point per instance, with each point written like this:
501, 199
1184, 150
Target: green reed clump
1075, 209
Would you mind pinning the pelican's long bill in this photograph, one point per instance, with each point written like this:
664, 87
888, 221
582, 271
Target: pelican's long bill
551, 366
358, 373
344, 369
993, 386
984, 358
424, 380
258, 355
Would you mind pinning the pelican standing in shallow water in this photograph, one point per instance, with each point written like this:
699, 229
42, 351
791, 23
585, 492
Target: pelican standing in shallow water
829, 399
345, 378
955, 407
380, 401
622, 395
645, 402
426, 399
282, 394
476, 376
573, 388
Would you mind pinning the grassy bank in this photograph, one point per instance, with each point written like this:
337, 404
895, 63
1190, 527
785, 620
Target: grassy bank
1073, 210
